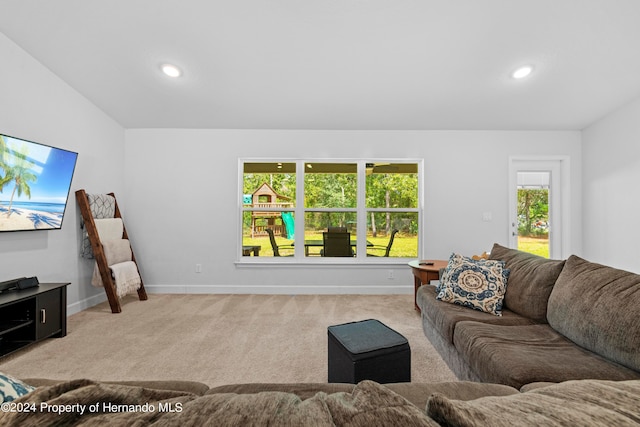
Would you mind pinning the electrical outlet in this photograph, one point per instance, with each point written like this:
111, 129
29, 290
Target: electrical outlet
390, 275
198, 268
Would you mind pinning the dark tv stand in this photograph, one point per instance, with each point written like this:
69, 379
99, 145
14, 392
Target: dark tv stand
31, 315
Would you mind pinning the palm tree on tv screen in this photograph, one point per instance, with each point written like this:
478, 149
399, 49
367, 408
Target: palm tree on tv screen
20, 173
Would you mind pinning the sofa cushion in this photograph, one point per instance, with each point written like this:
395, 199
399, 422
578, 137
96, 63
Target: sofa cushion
518, 355
477, 284
531, 279
573, 403
598, 308
445, 316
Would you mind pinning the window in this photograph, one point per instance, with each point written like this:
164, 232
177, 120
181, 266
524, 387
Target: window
293, 210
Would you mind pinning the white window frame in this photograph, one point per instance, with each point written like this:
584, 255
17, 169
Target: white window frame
299, 210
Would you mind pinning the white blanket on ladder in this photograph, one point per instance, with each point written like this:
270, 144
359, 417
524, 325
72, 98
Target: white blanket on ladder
126, 277
109, 228
124, 272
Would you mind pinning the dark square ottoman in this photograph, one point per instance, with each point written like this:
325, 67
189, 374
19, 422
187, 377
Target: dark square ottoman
367, 350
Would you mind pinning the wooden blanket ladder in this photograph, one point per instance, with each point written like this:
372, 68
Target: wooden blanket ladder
98, 251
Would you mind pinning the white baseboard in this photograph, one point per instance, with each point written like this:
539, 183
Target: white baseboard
281, 290
79, 306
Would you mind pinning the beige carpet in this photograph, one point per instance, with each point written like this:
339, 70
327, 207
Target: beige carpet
219, 339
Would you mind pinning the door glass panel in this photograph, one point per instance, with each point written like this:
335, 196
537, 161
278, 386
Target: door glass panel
533, 212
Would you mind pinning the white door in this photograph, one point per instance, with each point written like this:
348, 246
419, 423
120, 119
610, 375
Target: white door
537, 217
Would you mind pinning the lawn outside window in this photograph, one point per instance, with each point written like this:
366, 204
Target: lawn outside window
287, 205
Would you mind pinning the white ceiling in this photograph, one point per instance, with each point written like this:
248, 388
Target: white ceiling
339, 64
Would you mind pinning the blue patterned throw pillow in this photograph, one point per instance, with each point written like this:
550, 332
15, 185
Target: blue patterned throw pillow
478, 284
12, 388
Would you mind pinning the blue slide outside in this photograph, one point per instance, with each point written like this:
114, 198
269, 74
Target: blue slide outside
287, 219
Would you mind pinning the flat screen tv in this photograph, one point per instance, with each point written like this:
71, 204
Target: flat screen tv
35, 180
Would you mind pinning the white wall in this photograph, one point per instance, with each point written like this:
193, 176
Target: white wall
182, 198
611, 194
36, 105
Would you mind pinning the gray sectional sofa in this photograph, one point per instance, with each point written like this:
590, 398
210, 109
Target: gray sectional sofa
367, 404
561, 320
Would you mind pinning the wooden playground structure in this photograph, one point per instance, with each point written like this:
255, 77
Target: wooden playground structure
280, 222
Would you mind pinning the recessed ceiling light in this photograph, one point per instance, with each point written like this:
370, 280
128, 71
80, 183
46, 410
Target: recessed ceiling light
171, 70
522, 72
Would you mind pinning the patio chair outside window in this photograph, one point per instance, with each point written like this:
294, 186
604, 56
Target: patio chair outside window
274, 245
387, 248
337, 244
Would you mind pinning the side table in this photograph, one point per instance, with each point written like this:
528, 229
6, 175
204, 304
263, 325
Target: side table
425, 273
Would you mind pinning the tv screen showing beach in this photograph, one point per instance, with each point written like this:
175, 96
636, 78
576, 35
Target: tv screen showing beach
35, 180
